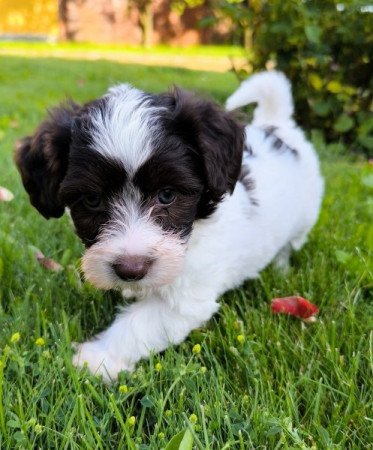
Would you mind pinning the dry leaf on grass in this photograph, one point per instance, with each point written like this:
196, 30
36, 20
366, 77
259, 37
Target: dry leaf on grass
48, 263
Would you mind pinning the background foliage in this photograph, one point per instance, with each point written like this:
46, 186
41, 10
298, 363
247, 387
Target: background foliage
325, 48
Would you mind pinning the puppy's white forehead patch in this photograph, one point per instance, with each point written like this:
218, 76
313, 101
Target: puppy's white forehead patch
126, 128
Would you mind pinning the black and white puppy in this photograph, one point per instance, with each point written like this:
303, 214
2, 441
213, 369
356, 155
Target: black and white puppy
175, 201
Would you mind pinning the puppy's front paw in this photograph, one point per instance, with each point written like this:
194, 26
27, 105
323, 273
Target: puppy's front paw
95, 356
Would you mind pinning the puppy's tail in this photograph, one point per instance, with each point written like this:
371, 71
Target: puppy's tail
272, 93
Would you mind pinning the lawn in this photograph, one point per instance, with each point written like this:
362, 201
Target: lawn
207, 57
259, 380
205, 50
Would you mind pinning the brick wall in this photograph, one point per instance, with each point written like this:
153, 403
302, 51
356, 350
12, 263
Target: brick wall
117, 21
106, 21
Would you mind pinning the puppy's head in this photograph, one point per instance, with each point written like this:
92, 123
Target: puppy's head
136, 170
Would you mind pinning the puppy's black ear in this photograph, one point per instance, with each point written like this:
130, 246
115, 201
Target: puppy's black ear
218, 136
42, 160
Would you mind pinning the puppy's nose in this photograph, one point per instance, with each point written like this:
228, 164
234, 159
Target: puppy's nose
132, 268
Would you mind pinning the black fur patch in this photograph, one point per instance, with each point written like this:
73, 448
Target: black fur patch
269, 131
248, 183
277, 143
248, 150
177, 166
42, 159
90, 174
213, 136
245, 178
197, 153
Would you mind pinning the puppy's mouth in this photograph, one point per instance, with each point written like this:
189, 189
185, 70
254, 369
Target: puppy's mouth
106, 268
123, 272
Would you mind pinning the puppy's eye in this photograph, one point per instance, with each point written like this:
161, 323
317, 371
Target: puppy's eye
166, 196
92, 201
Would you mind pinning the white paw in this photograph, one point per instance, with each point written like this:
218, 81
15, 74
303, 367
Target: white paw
95, 356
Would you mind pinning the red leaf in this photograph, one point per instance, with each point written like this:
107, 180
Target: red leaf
294, 306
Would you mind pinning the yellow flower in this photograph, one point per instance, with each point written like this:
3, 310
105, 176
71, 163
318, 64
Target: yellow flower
203, 369
161, 435
38, 428
40, 342
158, 367
131, 421
123, 389
240, 338
15, 338
193, 418
168, 413
196, 349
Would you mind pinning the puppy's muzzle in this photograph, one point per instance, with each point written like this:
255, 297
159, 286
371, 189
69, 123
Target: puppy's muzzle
132, 268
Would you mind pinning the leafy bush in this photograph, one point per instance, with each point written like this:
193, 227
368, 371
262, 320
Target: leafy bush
325, 48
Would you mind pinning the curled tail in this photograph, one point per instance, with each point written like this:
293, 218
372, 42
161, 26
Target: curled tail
271, 91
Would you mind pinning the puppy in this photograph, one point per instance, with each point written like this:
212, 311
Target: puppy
175, 201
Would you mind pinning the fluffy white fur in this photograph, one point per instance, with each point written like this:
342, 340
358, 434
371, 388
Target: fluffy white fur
272, 92
234, 244
130, 143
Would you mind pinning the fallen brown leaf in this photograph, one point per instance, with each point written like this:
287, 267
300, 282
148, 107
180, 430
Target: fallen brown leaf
48, 263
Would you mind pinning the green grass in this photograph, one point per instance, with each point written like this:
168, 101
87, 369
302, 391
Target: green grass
165, 50
287, 386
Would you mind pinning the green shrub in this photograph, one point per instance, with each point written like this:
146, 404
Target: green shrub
325, 48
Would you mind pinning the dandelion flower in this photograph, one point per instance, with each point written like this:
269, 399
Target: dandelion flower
240, 338
15, 338
196, 349
158, 367
38, 428
131, 421
40, 342
193, 418
123, 389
